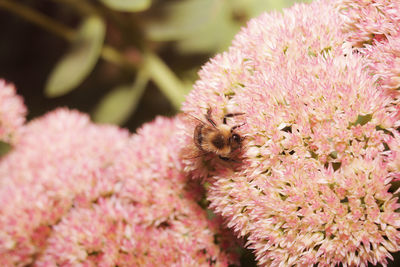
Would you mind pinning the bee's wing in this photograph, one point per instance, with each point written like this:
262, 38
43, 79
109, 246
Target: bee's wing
192, 150
192, 119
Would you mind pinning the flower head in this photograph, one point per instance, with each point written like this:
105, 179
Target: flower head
384, 63
12, 112
59, 159
146, 218
313, 186
366, 22
372, 29
72, 192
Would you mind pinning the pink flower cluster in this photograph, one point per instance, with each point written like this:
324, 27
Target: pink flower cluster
372, 28
321, 146
12, 112
74, 193
368, 22
59, 158
312, 184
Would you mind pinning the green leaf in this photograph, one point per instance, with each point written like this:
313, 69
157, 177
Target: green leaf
4, 148
127, 5
118, 105
362, 120
203, 26
215, 36
80, 60
184, 18
253, 8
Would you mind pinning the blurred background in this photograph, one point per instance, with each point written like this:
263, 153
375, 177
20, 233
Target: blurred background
121, 61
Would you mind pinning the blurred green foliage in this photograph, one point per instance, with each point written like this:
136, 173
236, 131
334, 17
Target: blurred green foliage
4, 148
124, 99
120, 58
127, 5
80, 60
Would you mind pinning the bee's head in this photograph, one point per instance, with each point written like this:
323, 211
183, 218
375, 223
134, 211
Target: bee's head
235, 141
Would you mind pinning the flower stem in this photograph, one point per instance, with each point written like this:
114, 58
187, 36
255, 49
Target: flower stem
166, 80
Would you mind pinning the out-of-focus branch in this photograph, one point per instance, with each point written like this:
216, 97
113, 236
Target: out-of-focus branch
83, 7
108, 52
39, 19
87, 8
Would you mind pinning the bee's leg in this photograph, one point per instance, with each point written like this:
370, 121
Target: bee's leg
237, 126
210, 120
224, 158
228, 159
230, 115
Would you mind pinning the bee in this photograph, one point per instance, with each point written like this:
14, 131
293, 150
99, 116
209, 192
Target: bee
219, 139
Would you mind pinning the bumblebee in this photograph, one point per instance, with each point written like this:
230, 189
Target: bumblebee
219, 139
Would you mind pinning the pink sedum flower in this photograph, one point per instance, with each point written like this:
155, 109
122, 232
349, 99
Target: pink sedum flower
372, 28
12, 112
75, 193
369, 21
59, 159
385, 63
313, 183
147, 218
